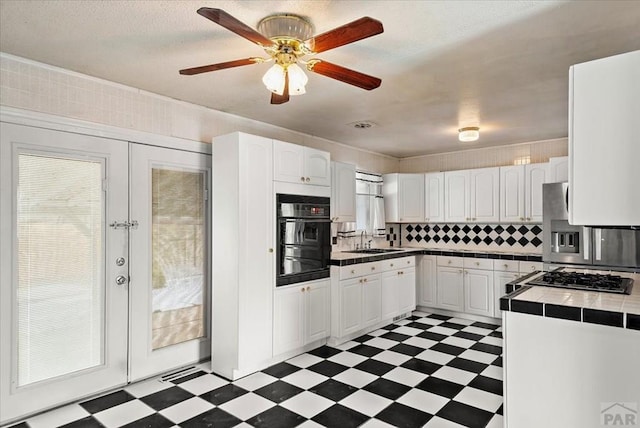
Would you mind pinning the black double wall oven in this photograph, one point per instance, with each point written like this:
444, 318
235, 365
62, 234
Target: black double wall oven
304, 238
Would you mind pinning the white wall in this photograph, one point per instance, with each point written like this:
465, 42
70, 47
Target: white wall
39, 87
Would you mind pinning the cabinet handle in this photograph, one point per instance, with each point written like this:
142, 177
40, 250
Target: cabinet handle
477, 263
271, 250
449, 262
302, 289
353, 271
302, 179
307, 179
365, 280
506, 266
400, 218
391, 264
460, 271
308, 288
521, 218
528, 218
373, 268
466, 272
360, 281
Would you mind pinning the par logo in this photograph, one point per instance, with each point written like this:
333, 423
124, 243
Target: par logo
619, 414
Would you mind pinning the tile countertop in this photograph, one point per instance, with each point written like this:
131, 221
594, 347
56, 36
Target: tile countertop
620, 310
344, 258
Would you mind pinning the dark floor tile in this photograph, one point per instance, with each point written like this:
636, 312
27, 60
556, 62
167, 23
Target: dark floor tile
375, 367
465, 415
485, 347
468, 336
468, 365
439, 317
328, 368
340, 416
497, 362
281, 370
152, 421
278, 391
363, 338
387, 388
405, 349
452, 325
223, 394
487, 384
500, 410
276, 417
333, 390
432, 336
189, 377
440, 386
20, 425
418, 325
403, 416
88, 422
485, 325
448, 349
214, 418
366, 350
398, 337
421, 366
165, 398
106, 401
496, 334
413, 318
325, 352
390, 327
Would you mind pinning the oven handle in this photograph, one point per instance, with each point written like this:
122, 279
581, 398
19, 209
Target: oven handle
305, 220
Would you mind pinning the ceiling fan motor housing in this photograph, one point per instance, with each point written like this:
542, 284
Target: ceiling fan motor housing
286, 26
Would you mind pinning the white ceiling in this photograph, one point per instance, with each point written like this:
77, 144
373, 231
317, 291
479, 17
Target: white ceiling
501, 65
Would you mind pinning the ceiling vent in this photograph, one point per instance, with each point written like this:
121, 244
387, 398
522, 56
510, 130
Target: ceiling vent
363, 124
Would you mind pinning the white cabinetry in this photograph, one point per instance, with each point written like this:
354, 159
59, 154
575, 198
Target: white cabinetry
504, 272
558, 170
390, 295
403, 198
371, 300
478, 286
343, 192
300, 315
604, 107
472, 195
350, 306
521, 192
434, 197
426, 280
243, 277
450, 286
298, 164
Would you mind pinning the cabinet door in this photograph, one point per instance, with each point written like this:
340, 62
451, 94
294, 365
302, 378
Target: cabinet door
500, 280
535, 177
288, 319
558, 170
343, 192
317, 311
288, 162
426, 281
351, 306
371, 300
512, 191
456, 196
478, 292
434, 197
450, 288
317, 167
407, 290
411, 198
389, 294
485, 193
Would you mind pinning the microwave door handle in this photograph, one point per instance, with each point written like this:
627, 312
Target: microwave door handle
598, 243
586, 239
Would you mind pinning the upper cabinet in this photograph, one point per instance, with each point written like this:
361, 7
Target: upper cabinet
434, 197
558, 170
299, 164
604, 107
472, 195
521, 192
343, 192
403, 198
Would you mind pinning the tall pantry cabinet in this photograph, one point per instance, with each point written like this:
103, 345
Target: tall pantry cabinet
243, 247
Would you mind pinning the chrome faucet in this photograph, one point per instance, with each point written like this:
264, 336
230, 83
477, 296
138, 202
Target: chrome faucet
363, 235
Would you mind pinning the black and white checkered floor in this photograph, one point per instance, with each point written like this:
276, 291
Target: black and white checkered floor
425, 371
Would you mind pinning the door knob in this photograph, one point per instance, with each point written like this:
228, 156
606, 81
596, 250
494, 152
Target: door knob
121, 280
307, 179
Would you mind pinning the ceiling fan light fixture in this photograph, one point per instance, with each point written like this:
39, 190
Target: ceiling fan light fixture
470, 133
285, 26
297, 80
274, 79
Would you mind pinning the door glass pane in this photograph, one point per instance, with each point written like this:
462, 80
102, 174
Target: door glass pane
60, 296
178, 263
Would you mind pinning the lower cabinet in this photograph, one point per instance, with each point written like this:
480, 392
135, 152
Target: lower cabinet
478, 292
426, 281
300, 315
351, 305
450, 288
371, 300
390, 294
407, 290
500, 280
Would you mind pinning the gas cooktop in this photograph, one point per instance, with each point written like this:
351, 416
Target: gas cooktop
585, 281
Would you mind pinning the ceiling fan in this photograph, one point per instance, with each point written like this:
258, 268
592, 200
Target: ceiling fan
287, 39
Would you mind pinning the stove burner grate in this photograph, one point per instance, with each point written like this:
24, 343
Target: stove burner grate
585, 281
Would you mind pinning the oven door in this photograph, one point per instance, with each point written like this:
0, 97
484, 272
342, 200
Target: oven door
303, 250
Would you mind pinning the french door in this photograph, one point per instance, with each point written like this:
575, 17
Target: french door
103, 265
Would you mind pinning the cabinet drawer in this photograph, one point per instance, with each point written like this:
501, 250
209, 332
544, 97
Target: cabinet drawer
506, 265
450, 261
393, 264
485, 264
353, 271
528, 267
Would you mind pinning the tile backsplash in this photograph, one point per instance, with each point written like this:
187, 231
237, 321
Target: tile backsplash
526, 238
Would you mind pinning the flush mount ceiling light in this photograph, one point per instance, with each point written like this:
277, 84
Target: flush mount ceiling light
470, 133
287, 39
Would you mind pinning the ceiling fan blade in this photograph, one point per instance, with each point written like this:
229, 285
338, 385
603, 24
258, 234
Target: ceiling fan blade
348, 33
281, 99
219, 66
227, 21
343, 74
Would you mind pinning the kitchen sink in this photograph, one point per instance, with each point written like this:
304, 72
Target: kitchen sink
373, 251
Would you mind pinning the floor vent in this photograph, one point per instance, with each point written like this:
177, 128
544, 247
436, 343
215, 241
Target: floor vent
178, 374
401, 316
